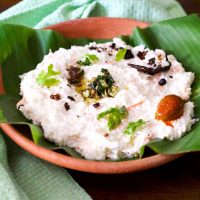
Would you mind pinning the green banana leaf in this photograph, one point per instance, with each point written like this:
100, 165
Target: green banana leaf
23, 48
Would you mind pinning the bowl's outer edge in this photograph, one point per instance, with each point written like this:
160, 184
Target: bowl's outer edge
97, 27
86, 165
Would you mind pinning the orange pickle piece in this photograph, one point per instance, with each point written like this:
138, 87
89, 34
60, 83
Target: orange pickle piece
170, 108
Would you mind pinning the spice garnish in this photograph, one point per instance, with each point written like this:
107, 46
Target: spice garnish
55, 97
93, 48
71, 98
96, 105
66, 105
151, 61
128, 54
106, 134
88, 59
75, 75
141, 54
159, 57
101, 86
114, 116
113, 45
124, 54
162, 82
48, 78
134, 105
103, 49
150, 70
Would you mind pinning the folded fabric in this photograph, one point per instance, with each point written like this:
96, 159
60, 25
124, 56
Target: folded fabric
23, 176
41, 13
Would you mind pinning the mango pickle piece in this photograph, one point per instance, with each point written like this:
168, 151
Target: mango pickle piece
170, 108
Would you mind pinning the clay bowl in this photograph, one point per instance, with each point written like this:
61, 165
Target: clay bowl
95, 28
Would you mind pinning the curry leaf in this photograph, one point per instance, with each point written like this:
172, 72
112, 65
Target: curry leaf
102, 85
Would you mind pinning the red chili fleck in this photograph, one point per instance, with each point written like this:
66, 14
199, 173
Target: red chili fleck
151, 61
55, 97
66, 105
128, 54
96, 105
106, 134
141, 54
113, 45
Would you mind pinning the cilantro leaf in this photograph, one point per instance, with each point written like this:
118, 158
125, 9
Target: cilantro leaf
46, 78
133, 126
88, 59
92, 57
84, 62
114, 116
120, 54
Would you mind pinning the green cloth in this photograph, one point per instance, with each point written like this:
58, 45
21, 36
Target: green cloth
23, 176
41, 13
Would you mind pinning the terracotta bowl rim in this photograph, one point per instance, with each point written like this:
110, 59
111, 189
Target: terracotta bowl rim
101, 167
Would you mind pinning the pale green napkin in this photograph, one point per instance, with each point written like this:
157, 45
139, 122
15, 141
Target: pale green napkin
24, 177
41, 13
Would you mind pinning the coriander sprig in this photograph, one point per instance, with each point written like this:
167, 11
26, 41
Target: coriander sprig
114, 116
120, 54
88, 59
48, 78
133, 127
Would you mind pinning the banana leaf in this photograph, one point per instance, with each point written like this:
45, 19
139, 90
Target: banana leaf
23, 48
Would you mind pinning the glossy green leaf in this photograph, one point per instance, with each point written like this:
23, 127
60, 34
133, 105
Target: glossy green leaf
23, 48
